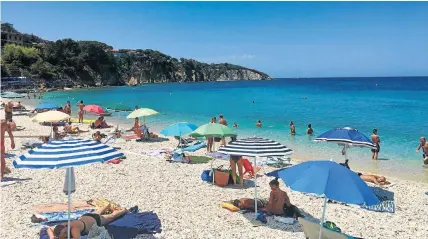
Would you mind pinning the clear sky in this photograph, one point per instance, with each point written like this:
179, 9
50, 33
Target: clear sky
283, 39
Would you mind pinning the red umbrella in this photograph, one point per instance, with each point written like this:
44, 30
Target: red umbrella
94, 109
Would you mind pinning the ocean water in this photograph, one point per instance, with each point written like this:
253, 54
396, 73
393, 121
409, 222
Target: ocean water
397, 107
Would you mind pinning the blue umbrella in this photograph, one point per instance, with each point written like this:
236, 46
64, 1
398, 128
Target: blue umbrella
67, 154
346, 136
179, 129
328, 179
47, 106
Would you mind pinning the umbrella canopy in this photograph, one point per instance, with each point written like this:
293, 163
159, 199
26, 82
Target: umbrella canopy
118, 107
331, 180
50, 116
47, 106
143, 112
254, 147
213, 130
179, 129
93, 109
9, 94
66, 153
346, 135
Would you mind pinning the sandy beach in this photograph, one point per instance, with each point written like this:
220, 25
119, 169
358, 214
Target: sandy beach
187, 206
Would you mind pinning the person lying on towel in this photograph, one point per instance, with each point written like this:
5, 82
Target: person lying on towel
248, 203
370, 178
279, 203
83, 225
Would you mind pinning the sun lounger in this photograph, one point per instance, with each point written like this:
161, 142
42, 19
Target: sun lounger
312, 230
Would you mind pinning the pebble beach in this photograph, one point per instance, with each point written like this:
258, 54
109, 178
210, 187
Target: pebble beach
187, 206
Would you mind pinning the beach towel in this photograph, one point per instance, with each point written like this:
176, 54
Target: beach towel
133, 224
60, 207
386, 198
52, 218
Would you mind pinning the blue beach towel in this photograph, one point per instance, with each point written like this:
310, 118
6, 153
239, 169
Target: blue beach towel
194, 147
59, 217
386, 198
130, 225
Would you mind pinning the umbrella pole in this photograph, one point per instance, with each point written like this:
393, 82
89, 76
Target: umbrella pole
255, 189
323, 215
69, 202
346, 153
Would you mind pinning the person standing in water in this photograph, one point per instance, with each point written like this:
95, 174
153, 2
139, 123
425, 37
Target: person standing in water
259, 124
81, 111
292, 128
421, 145
310, 131
5, 128
376, 140
67, 108
223, 122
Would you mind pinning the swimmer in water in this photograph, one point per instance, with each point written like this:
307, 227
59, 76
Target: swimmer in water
292, 128
259, 124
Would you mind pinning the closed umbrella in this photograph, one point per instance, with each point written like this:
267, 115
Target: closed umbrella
255, 147
66, 154
143, 112
328, 179
179, 129
347, 136
96, 109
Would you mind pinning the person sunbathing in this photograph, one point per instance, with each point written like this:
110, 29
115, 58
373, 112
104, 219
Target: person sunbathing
84, 224
73, 130
370, 178
249, 203
97, 136
279, 203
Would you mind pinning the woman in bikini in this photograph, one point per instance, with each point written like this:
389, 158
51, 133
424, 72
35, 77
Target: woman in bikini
81, 112
84, 224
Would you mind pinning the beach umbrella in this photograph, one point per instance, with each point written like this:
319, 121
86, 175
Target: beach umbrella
50, 116
47, 106
93, 109
330, 180
349, 137
179, 129
213, 130
66, 154
143, 112
255, 147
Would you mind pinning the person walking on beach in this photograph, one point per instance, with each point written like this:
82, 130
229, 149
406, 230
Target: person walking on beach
310, 131
67, 108
5, 128
376, 140
259, 124
8, 108
223, 122
292, 128
81, 111
236, 163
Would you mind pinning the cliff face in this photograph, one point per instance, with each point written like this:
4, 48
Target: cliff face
71, 63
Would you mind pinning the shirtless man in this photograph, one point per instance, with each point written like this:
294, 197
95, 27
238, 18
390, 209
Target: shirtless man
376, 140
5, 128
84, 224
248, 203
421, 145
223, 122
371, 178
81, 111
259, 124
292, 128
425, 149
279, 202
67, 108
310, 131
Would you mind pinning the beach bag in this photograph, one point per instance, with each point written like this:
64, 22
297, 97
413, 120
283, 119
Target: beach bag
207, 176
221, 177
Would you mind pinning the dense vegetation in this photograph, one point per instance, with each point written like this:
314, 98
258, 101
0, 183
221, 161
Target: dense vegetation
68, 63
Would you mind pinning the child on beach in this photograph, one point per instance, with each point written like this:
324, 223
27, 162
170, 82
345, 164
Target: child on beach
5, 128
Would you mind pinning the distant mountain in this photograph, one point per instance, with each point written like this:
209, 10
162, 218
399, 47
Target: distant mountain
70, 63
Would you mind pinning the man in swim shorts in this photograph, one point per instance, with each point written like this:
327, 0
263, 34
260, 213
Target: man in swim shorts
5, 128
421, 145
376, 140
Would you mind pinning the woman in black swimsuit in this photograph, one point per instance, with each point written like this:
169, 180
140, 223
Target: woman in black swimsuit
83, 225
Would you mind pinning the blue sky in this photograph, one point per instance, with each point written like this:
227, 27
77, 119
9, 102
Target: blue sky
283, 39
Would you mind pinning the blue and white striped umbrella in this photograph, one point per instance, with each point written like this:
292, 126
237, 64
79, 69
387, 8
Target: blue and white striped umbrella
66, 153
255, 147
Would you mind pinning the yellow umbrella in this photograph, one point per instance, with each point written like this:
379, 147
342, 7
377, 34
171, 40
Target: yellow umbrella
143, 112
50, 116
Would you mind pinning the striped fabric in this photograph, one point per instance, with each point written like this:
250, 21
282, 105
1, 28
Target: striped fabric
253, 147
66, 153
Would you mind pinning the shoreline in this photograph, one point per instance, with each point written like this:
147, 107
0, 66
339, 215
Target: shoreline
184, 203
297, 157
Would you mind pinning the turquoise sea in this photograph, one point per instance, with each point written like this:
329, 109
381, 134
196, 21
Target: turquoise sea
396, 106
